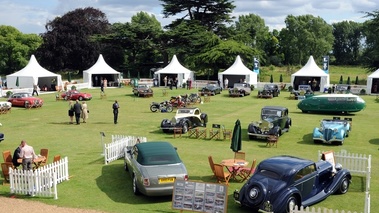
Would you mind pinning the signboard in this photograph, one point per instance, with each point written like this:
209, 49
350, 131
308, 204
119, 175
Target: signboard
329, 156
199, 196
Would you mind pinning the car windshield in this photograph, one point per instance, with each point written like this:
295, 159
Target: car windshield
185, 111
268, 86
271, 112
304, 87
239, 85
332, 122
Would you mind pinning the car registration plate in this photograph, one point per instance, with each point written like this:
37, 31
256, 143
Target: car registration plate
166, 180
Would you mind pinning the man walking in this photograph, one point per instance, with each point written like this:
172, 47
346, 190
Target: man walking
35, 89
115, 107
77, 110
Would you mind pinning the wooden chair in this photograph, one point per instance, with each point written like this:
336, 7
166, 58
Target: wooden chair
212, 165
57, 158
221, 174
44, 152
5, 169
215, 131
7, 156
239, 155
245, 173
226, 133
272, 140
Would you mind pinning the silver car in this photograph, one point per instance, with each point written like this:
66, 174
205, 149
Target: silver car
154, 167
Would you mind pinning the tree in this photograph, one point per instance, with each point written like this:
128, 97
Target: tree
281, 78
341, 80
356, 80
213, 14
348, 80
271, 79
16, 49
67, 40
370, 57
304, 36
347, 45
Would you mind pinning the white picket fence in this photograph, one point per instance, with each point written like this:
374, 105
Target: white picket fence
116, 149
357, 164
40, 182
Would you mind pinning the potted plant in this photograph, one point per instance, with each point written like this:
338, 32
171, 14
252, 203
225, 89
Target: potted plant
9, 93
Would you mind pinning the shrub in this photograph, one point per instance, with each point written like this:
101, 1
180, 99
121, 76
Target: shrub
290, 88
362, 92
73, 87
9, 93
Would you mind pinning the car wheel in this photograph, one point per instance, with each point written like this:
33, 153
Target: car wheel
169, 109
344, 186
185, 127
26, 104
80, 98
255, 194
198, 100
242, 94
291, 203
135, 187
153, 108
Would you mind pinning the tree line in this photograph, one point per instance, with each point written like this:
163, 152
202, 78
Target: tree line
205, 39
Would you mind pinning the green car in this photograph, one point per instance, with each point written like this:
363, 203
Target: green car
332, 103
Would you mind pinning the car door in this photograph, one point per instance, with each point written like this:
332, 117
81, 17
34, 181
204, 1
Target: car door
305, 181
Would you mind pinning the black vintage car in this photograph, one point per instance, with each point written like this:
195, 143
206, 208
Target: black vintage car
274, 121
211, 89
304, 90
269, 91
280, 183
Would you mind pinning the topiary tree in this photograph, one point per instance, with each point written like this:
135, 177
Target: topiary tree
271, 79
341, 80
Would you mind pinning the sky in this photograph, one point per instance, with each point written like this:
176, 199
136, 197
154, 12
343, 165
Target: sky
30, 16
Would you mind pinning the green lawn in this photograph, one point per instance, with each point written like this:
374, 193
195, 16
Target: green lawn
93, 185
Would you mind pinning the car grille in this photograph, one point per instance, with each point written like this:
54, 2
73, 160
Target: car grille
328, 134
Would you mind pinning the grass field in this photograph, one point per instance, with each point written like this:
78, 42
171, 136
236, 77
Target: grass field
94, 185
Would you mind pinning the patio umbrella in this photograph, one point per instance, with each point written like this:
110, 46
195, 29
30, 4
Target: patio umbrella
236, 143
17, 83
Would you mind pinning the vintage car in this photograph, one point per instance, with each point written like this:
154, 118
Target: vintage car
240, 90
154, 167
342, 88
5, 106
24, 99
279, 183
269, 91
142, 90
211, 89
185, 118
332, 131
76, 95
332, 103
303, 90
274, 121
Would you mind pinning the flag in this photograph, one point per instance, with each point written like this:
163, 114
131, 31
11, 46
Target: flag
325, 64
256, 65
17, 83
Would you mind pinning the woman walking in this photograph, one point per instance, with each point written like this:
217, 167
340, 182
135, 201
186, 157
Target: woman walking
71, 111
85, 111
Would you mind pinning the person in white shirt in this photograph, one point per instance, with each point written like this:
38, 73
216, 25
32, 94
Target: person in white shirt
27, 154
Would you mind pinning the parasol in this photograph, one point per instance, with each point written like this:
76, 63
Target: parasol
236, 144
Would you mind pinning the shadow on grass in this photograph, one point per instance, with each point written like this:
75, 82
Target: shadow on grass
374, 141
341, 114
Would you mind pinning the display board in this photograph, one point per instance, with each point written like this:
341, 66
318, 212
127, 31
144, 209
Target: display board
200, 196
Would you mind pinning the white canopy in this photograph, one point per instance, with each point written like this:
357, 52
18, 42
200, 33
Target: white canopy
100, 70
174, 70
238, 71
373, 82
308, 73
33, 74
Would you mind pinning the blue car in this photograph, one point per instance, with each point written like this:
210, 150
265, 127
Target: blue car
280, 183
332, 131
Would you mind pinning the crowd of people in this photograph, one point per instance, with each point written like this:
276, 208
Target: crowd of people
78, 110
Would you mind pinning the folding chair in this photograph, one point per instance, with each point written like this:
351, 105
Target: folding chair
245, 173
193, 132
215, 131
5, 169
202, 133
221, 174
226, 133
7, 156
45, 153
211, 164
56, 158
239, 155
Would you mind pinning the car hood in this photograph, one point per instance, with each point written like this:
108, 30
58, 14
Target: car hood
171, 170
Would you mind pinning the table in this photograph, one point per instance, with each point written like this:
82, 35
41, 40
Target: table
233, 165
37, 161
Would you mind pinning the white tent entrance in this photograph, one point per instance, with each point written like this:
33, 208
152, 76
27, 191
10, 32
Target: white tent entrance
237, 72
310, 74
174, 70
373, 83
100, 70
33, 74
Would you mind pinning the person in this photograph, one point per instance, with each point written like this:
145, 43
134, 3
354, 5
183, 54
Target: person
226, 82
115, 107
77, 111
35, 88
85, 111
170, 82
17, 155
27, 154
105, 83
165, 81
71, 111
188, 83
102, 85
96, 81
176, 83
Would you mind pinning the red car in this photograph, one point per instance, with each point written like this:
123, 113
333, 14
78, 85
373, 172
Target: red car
76, 95
24, 99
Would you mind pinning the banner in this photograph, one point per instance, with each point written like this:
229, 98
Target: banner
325, 64
256, 65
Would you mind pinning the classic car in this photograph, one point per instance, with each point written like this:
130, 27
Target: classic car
5, 106
281, 182
332, 103
240, 89
185, 118
303, 90
212, 89
332, 131
142, 90
269, 91
24, 99
342, 88
274, 121
76, 95
154, 167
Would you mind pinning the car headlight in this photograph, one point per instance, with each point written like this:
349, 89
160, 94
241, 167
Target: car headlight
321, 129
254, 193
270, 125
335, 130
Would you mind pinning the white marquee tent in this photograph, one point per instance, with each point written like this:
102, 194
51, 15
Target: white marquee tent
33, 73
309, 72
174, 70
100, 70
373, 82
238, 71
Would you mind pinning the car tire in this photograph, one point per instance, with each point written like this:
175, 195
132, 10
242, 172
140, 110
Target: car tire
185, 127
135, 187
80, 98
344, 186
26, 104
260, 194
291, 203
